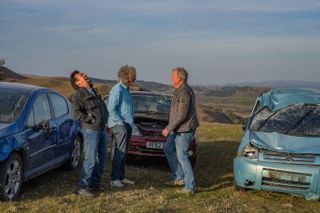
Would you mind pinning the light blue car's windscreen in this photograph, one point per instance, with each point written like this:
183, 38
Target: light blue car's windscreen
300, 119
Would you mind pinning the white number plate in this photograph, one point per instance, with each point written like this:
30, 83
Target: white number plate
154, 145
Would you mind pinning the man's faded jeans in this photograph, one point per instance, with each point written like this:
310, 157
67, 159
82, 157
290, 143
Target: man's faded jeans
121, 135
176, 150
95, 155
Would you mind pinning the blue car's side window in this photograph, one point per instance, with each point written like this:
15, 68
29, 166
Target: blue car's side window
40, 111
59, 105
30, 122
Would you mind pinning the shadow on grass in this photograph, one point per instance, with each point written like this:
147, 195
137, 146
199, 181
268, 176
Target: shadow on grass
215, 163
213, 171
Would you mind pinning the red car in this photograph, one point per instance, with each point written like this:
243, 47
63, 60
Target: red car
151, 117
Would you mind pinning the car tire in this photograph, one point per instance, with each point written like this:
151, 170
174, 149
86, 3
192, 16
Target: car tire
11, 172
75, 155
239, 188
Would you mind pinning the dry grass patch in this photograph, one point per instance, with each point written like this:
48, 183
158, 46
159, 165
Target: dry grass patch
52, 192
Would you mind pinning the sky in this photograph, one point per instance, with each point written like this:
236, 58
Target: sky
217, 41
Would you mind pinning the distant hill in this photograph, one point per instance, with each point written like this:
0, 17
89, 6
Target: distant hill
8, 75
142, 85
280, 84
222, 104
208, 114
228, 91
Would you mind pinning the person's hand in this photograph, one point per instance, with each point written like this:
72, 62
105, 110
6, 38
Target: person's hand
165, 132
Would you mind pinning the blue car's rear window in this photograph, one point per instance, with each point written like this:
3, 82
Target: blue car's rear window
11, 104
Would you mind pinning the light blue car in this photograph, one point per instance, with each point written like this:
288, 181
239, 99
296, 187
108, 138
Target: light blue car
280, 149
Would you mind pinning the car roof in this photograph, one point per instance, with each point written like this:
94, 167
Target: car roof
281, 98
24, 88
148, 93
136, 93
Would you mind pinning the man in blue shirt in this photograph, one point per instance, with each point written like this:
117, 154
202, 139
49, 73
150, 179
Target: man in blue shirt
121, 121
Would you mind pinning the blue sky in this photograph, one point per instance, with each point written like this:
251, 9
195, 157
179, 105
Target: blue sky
217, 41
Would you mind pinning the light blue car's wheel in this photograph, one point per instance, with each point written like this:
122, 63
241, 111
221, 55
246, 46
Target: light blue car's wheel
11, 177
239, 188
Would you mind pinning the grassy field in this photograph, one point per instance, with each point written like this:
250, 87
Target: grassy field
60, 84
52, 192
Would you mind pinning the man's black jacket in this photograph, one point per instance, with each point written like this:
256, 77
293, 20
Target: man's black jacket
89, 109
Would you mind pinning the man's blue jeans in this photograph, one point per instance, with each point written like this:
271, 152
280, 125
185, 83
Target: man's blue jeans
95, 155
121, 135
176, 150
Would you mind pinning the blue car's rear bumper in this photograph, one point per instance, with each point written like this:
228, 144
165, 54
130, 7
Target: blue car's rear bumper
289, 178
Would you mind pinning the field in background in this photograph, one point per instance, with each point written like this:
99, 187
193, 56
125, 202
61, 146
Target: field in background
227, 105
60, 84
52, 192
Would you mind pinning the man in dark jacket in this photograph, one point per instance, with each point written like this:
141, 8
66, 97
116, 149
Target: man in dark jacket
180, 130
90, 110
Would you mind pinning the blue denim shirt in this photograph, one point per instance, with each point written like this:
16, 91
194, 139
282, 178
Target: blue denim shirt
120, 106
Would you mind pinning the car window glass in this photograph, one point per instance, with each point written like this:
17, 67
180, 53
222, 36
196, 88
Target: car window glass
11, 104
256, 107
300, 119
151, 103
30, 121
59, 105
41, 109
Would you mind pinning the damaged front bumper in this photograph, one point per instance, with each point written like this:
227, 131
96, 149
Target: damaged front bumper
295, 179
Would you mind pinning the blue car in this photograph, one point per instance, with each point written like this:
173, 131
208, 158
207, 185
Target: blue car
280, 149
37, 133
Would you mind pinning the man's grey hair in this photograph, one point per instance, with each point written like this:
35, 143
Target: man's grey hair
181, 73
126, 73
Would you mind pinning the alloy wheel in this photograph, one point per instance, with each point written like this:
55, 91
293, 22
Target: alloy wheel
76, 152
13, 179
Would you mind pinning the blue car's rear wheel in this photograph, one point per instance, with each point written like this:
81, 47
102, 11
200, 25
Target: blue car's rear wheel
11, 177
75, 155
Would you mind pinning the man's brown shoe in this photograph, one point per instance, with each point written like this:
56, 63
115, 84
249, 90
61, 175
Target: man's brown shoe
174, 183
185, 191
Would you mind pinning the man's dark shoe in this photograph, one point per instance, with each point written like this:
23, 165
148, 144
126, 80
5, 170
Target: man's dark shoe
174, 183
97, 188
85, 193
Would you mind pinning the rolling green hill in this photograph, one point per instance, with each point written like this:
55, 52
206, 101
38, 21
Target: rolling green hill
230, 104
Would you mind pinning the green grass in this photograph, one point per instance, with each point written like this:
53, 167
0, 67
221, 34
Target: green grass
231, 103
52, 192
209, 132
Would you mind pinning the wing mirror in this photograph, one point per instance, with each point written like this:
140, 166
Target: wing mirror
42, 125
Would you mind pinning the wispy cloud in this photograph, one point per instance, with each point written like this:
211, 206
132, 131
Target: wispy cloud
155, 35
171, 6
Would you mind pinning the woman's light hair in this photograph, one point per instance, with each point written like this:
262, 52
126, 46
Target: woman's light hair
127, 74
181, 73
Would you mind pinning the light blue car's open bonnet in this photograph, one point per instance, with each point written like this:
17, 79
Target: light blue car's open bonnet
285, 143
278, 99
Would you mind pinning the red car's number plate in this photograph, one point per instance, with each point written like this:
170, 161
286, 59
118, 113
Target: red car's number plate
154, 145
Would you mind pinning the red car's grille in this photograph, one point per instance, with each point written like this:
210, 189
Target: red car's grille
152, 134
147, 152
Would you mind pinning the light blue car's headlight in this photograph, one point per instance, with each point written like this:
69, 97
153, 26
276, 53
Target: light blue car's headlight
136, 131
250, 152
